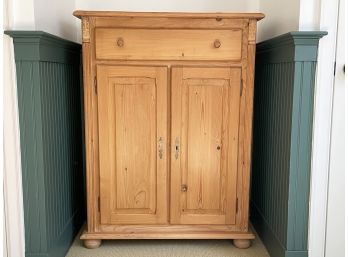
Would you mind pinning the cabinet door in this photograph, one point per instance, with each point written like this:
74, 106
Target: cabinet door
132, 117
205, 122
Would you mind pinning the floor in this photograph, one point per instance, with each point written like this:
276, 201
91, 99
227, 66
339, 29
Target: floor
167, 248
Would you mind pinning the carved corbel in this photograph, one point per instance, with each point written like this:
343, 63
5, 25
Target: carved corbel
85, 30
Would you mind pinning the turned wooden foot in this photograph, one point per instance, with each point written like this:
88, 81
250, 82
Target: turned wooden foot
242, 243
92, 243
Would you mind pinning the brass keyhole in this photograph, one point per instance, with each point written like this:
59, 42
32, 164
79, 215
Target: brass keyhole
183, 188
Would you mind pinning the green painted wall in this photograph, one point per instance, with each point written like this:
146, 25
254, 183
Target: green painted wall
49, 102
283, 114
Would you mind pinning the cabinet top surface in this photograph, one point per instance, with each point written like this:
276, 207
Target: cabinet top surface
257, 16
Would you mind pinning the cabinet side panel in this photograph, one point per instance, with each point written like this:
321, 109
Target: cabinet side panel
89, 150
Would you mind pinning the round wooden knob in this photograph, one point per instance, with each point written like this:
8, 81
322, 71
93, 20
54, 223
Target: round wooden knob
120, 42
217, 43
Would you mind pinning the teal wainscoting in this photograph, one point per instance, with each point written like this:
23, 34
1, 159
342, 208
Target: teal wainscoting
283, 114
49, 103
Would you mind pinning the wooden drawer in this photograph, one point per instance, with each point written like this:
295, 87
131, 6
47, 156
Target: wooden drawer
168, 44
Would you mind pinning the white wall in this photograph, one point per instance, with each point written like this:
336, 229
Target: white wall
281, 16
54, 17
21, 14
167, 5
309, 16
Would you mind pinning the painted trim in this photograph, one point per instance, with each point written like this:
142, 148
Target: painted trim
322, 129
26, 41
335, 231
290, 40
263, 228
284, 90
48, 86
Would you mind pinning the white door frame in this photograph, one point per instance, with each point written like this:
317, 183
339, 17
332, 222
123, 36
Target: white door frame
334, 245
13, 195
322, 128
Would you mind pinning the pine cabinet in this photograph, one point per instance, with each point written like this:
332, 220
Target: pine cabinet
132, 121
204, 133
168, 101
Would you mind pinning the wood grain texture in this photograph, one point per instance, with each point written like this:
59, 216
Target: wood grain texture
172, 106
245, 126
171, 63
247, 138
86, 33
164, 44
168, 232
132, 172
170, 235
80, 13
205, 120
171, 22
165, 228
91, 131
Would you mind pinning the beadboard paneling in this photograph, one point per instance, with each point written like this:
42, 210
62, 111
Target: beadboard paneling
272, 139
283, 110
48, 83
29, 107
61, 129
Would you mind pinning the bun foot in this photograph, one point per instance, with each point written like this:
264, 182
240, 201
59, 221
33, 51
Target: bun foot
242, 243
92, 243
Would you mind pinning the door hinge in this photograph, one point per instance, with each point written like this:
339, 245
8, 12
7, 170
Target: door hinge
98, 204
241, 87
237, 205
95, 85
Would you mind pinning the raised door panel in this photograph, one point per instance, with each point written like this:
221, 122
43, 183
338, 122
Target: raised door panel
205, 121
132, 113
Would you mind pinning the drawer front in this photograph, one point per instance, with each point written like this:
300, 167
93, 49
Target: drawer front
168, 44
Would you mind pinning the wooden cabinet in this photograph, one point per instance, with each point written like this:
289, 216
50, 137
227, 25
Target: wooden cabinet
132, 121
168, 116
204, 133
